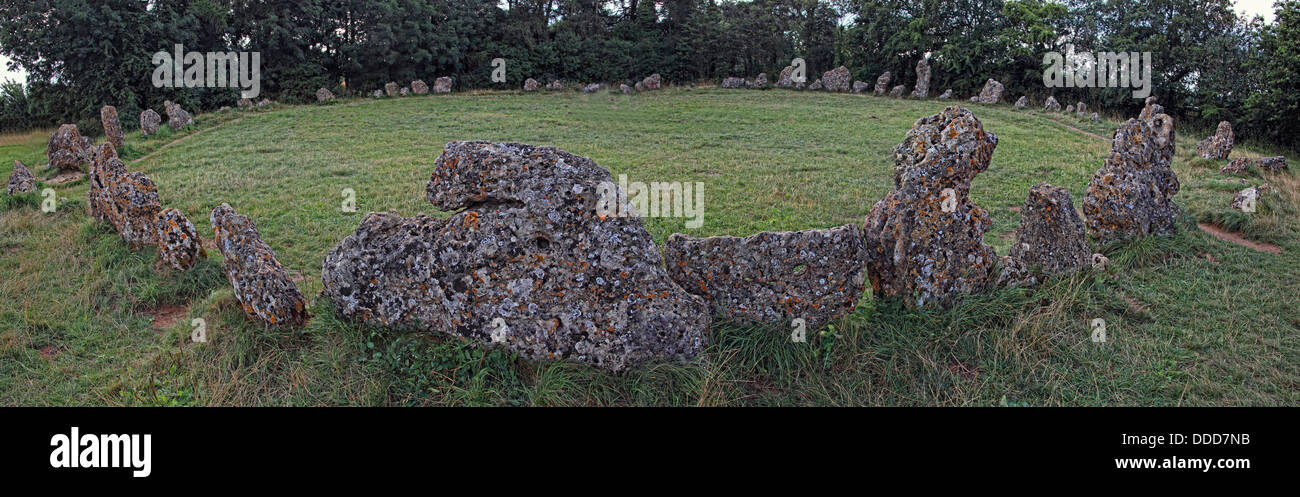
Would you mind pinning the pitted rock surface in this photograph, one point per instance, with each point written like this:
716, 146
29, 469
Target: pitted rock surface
786, 78
625, 89
816, 85
1270, 164
992, 92
244, 103
419, 87
922, 89
947, 95
1247, 200
1094, 117
555, 85
150, 121
177, 118
404, 91
179, 245
1217, 146
127, 200
324, 95
860, 86
530, 84
882, 83
915, 250
261, 285
391, 89
1013, 272
837, 79
1051, 235
592, 88
1080, 110
112, 126
1150, 109
759, 81
1130, 196
1051, 105
377, 94
442, 85
525, 264
733, 83
1022, 101
653, 82
67, 148
773, 278
897, 91
21, 181
1069, 109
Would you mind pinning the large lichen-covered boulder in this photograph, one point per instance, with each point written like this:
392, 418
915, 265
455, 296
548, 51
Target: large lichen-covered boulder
922, 88
992, 92
732, 83
67, 148
530, 84
261, 284
653, 82
125, 199
1240, 164
112, 126
837, 79
1051, 105
150, 121
773, 278
882, 83
1130, 196
177, 118
324, 95
1217, 146
442, 85
1051, 235
419, 87
21, 180
530, 262
179, 245
925, 239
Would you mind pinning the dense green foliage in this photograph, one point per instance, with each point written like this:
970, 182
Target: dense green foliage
1210, 64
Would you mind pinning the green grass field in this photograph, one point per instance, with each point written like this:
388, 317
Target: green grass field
1191, 319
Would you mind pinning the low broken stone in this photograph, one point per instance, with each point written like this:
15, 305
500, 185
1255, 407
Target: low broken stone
1094, 117
732, 83
1100, 262
67, 149
897, 91
179, 246
530, 84
651, 82
816, 85
992, 92
1013, 273
536, 259
1247, 200
555, 85
625, 89
244, 103
947, 95
1022, 101
391, 89
419, 87
177, 118
860, 86
1051, 235
262, 286
21, 181
882, 83
759, 81
404, 91
837, 79
1131, 195
1051, 105
1270, 164
377, 94
150, 121
442, 85
773, 278
1217, 146
592, 88
1069, 109
112, 126
324, 95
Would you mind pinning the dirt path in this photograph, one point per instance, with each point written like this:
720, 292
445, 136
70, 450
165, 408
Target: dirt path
1089, 133
186, 137
1231, 237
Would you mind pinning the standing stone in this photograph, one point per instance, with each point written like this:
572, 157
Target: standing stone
1094, 117
992, 92
1270, 164
391, 89
244, 103
21, 181
442, 85
125, 199
261, 285
1080, 110
177, 118
1050, 234
1013, 272
860, 86
816, 85
947, 94
404, 91
925, 239
1129, 196
651, 82
592, 88
1151, 109
530, 84
264, 102
528, 262
1052, 105
638, 86
1069, 109
786, 78
759, 82
377, 94
1022, 102
837, 79
324, 95
149, 122
555, 85
773, 278
419, 87
179, 245
1217, 146
897, 91
112, 126
922, 89
882, 84
625, 89
732, 83
67, 149
105, 167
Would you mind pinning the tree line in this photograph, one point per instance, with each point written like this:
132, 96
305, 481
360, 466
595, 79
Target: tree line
1210, 63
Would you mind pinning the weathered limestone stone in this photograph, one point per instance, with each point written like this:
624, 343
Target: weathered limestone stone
1129, 196
1247, 200
127, 200
759, 82
1094, 117
897, 91
1022, 101
526, 263
324, 95
555, 85
391, 89
922, 89
592, 88
732, 83
1270, 164
149, 122
837, 79
404, 91
947, 95
925, 239
261, 284
1069, 109
419, 87
112, 126
860, 86
786, 78
1080, 109
1217, 146
244, 103
627, 90
179, 245
1013, 272
882, 83
992, 92
1051, 235
653, 82
773, 278
21, 181
1151, 109
442, 85
67, 148
1052, 105
177, 118
377, 94
816, 85
530, 84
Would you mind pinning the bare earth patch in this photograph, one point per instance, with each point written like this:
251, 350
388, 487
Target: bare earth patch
166, 316
1229, 236
65, 177
49, 352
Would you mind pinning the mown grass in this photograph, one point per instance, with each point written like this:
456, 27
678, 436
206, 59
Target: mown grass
1191, 320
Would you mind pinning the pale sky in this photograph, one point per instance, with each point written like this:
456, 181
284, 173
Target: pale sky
1247, 7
